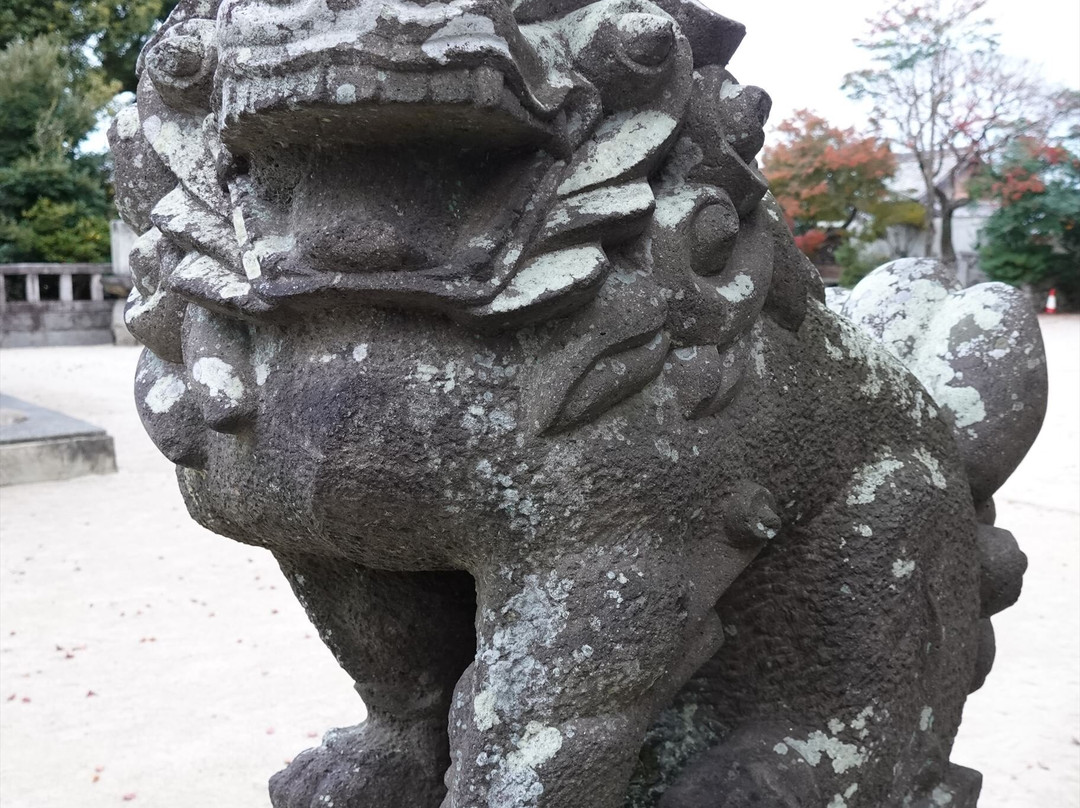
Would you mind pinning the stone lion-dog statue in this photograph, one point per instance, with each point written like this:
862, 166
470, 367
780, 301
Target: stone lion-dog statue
480, 317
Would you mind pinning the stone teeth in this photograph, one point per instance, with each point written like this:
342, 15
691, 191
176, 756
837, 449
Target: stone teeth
450, 86
363, 80
358, 84
489, 87
329, 98
404, 88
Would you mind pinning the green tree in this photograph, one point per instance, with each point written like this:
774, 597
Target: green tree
940, 89
46, 109
1033, 238
46, 106
61, 63
103, 37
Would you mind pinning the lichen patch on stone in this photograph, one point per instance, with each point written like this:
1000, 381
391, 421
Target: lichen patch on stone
869, 478
818, 745
219, 378
165, 393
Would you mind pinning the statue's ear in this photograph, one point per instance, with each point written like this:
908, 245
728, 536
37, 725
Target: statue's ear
713, 37
795, 279
185, 10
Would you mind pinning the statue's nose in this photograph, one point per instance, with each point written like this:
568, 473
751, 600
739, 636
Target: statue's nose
752, 102
762, 106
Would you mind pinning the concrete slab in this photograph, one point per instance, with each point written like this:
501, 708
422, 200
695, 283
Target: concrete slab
38, 444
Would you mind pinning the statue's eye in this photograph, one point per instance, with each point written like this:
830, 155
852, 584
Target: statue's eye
646, 39
712, 237
182, 65
178, 57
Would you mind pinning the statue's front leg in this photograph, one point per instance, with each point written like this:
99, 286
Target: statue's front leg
572, 659
405, 638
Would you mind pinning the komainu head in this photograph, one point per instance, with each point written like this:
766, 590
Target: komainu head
496, 163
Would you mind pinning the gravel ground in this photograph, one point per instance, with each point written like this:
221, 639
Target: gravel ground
145, 660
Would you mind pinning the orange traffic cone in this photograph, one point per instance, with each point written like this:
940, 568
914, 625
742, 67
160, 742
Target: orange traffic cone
1051, 302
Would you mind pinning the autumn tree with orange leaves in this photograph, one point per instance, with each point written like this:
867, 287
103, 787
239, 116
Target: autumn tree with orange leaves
940, 89
828, 179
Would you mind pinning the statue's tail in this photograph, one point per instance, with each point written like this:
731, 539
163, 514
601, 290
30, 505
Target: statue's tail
979, 353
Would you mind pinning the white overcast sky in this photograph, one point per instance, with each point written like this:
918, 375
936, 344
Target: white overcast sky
799, 51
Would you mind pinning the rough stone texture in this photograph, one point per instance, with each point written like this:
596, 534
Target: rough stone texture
481, 319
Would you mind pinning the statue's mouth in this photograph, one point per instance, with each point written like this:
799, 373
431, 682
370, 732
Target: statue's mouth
439, 156
431, 222
412, 201
338, 154
413, 151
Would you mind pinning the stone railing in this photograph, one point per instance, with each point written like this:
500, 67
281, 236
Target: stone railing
58, 304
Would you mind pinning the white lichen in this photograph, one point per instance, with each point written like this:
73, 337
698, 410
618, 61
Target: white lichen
620, 144
165, 393
549, 275
739, 289
869, 478
932, 466
818, 745
902, 568
484, 715
219, 378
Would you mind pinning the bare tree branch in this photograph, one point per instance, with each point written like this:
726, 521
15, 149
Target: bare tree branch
942, 89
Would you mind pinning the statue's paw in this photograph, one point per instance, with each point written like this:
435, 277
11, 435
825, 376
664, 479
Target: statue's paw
746, 771
360, 767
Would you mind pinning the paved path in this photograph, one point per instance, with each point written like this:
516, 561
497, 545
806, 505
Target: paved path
1022, 730
144, 660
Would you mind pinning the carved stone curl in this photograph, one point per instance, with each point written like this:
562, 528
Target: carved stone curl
479, 316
